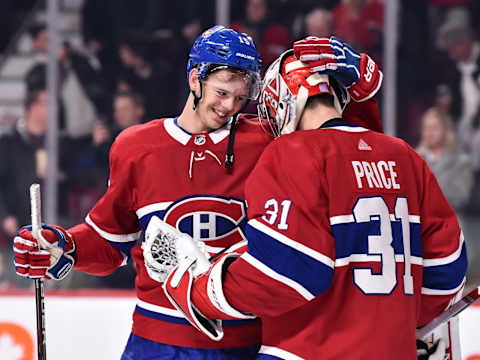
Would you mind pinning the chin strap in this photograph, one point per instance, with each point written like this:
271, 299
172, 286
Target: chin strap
231, 141
196, 98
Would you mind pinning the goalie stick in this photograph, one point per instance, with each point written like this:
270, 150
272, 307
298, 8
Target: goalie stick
452, 311
35, 205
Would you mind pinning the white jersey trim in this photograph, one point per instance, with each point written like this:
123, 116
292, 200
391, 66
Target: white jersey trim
145, 210
276, 276
347, 128
159, 309
112, 237
231, 249
183, 137
374, 258
345, 219
448, 259
275, 351
428, 291
176, 132
291, 243
220, 134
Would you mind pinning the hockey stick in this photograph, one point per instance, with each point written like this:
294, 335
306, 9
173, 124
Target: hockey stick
452, 311
35, 205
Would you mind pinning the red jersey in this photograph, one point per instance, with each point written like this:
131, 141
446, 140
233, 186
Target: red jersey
351, 246
160, 169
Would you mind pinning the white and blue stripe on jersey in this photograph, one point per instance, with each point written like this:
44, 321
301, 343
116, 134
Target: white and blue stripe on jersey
287, 260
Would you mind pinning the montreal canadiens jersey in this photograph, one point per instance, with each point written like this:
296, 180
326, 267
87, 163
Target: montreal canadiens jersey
159, 169
351, 246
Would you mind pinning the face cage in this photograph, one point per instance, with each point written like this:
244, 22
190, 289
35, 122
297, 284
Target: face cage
285, 110
268, 125
272, 125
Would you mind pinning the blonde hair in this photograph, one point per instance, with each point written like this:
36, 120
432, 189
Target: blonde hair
445, 121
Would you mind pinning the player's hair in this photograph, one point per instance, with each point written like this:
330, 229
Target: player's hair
320, 99
32, 97
36, 29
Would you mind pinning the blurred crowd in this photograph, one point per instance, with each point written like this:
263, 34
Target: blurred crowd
131, 69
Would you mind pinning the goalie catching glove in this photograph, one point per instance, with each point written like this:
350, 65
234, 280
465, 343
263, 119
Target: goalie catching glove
49, 257
191, 283
357, 72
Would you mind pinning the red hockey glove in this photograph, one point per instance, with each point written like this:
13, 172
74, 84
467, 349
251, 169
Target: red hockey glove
357, 72
51, 257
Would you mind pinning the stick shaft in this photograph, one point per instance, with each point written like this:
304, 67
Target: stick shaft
35, 204
452, 311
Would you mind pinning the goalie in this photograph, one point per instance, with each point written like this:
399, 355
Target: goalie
351, 243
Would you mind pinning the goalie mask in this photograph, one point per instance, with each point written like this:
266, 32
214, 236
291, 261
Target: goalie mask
288, 83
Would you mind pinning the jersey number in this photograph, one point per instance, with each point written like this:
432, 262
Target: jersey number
271, 213
384, 282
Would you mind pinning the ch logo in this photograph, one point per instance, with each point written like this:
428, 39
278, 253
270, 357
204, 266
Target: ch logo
214, 220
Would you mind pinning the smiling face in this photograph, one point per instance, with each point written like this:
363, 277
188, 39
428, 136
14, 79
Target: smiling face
224, 93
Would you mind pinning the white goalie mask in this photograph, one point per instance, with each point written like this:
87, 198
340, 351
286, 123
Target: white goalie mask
287, 85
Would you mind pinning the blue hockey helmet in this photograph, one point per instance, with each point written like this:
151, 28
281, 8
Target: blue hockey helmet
219, 48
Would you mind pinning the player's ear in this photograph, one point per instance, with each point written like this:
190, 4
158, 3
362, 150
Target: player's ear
194, 81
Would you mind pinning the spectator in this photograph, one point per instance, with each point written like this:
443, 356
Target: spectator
87, 169
473, 205
128, 110
26, 146
319, 22
451, 166
462, 73
360, 23
6, 281
271, 38
23, 161
83, 90
39, 40
152, 78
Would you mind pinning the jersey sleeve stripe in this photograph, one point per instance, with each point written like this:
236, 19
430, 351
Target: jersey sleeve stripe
158, 309
351, 239
448, 259
291, 243
284, 258
448, 276
277, 353
173, 316
112, 237
428, 291
278, 277
145, 210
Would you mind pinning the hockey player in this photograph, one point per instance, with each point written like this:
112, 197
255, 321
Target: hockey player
351, 243
173, 168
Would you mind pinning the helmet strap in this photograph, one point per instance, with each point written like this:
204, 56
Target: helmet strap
196, 99
231, 141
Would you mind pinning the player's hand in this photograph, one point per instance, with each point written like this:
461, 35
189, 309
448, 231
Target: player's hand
435, 352
50, 257
357, 72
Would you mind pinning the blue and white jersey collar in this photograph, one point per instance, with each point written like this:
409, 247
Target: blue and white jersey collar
340, 124
183, 136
